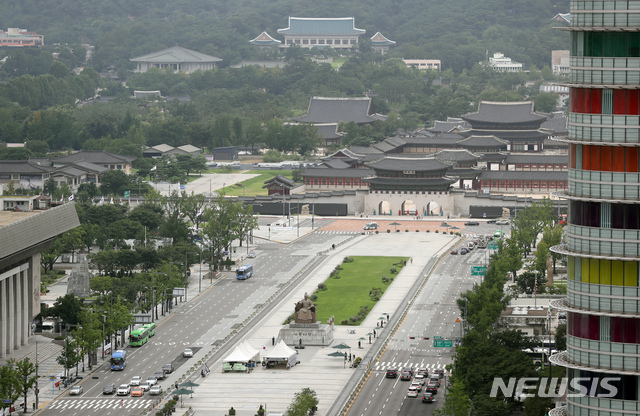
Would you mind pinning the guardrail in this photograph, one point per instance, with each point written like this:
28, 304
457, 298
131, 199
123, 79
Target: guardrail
243, 326
398, 320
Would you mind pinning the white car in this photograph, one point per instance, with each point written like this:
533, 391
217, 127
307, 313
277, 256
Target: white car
152, 381
417, 385
413, 392
155, 390
135, 381
145, 385
75, 390
123, 390
502, 222
187, 353
419, 379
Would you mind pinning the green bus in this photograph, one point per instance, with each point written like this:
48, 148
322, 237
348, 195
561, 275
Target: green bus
139, 337
152, 329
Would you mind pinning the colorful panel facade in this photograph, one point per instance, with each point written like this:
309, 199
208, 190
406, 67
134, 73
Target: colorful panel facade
602, 242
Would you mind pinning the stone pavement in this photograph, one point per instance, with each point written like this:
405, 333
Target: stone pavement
324, 374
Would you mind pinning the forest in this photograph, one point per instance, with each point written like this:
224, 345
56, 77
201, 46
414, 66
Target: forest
47, 105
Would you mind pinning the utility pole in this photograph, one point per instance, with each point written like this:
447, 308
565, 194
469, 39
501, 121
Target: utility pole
37, 387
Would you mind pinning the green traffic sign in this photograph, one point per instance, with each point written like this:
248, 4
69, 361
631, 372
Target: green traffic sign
492, 246
437, 337
478, 270
442, 343
126, 194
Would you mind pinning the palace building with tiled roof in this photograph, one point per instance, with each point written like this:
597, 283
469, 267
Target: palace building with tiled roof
380, 43
516, 123
265, 41
337, 33
177, 58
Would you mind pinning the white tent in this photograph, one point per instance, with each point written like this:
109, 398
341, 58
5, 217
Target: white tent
282, 354
243, 353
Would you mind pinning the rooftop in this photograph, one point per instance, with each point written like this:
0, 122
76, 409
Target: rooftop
175, 54
322, 26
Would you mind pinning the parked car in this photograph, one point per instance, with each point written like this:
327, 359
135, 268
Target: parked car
168, 368
427, 397
123, 390
135, 381
137, 392
371, 226
109, 389
187, 353
75, 390
152, 381
392, 373
155, 390
145, 385
472, 223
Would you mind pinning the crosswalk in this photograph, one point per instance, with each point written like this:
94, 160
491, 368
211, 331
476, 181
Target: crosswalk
95, 404
383, 366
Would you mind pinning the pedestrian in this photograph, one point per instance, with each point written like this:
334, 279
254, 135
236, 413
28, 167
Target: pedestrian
411, 260
374, 333
273, 340
176, 385
121, 403
377, 324
369, 339
349, 357
359, 345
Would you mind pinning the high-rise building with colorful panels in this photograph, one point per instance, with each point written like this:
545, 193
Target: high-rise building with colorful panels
602, 241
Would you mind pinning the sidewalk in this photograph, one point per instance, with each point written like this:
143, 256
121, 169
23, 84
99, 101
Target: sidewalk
48, 350
328, 376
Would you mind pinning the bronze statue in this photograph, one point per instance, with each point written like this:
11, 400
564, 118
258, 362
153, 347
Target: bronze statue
305, 311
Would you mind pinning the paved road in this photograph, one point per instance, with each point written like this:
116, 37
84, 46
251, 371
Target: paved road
200, 324
433, 313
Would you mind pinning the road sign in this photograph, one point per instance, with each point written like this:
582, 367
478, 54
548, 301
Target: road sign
437, 337
126, 194
442, 343
458, 320
478, 270
492, 246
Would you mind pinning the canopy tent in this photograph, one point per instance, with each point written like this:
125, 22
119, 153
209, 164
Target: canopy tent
242, 357
281, 354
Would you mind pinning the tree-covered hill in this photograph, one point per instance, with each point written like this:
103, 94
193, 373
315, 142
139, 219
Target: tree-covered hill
459, 32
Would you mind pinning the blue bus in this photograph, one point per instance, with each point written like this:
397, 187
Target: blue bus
118, 360
244, 272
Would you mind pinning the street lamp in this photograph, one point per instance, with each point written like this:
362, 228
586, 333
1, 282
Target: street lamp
186, 274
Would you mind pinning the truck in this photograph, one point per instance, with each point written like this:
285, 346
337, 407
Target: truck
482, 242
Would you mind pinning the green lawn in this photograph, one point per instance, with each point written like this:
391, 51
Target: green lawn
253, 186
337, 62
344, 296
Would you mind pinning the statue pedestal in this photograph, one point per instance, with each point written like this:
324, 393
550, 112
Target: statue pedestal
311, 334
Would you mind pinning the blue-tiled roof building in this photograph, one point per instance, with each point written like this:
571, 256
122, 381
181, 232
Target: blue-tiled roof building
338, 33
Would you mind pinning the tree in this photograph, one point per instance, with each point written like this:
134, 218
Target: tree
69, 356
303, 403
561, 337
114, 182
9, 383
68, 308
26, 378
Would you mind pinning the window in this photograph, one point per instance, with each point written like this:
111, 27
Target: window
305, 41
329, 41
605, 44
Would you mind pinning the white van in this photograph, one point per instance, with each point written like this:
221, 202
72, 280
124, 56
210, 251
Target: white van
49, 325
